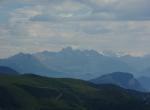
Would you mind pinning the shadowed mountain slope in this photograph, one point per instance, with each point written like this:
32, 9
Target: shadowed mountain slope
32, 92
125, 80
26, 63
7, 71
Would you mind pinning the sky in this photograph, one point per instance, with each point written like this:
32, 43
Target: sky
103, 25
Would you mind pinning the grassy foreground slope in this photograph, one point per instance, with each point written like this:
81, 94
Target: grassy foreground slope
31, 92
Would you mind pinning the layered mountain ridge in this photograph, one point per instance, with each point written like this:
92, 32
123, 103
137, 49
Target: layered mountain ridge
125, 80
4, 70
33, 92
75, 63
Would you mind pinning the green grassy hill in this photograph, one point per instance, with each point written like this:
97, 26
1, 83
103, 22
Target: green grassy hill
31, 92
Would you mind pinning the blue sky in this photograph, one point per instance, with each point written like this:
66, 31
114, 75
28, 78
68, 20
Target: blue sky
103, 25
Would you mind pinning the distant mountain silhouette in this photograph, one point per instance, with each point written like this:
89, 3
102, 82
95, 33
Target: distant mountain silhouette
125, 80
7, 71
145, 82
81, 63
141, 64
75, 63
26, 63
145, 72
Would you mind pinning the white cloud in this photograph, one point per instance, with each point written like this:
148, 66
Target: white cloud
110, 25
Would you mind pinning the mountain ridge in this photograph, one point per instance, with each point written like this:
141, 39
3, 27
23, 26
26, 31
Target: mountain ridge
76, 63
122, 79
26, 63
43, 93
4, 70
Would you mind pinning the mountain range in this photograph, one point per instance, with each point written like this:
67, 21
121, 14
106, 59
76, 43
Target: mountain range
27, 63
124, 80
114, 91
75, 63
141, 64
